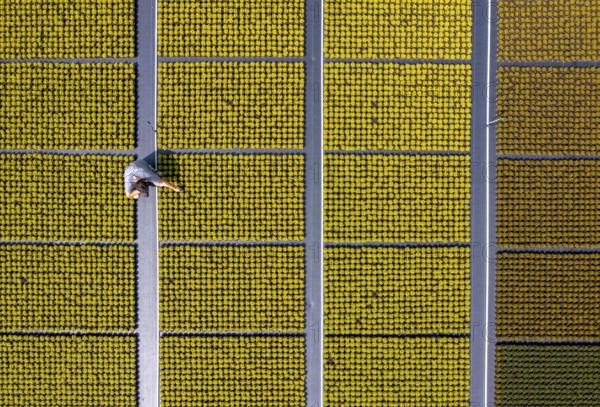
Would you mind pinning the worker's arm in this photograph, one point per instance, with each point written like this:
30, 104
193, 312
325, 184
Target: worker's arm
133, 194
164, 183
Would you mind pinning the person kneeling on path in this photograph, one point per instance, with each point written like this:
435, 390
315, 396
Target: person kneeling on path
139, 175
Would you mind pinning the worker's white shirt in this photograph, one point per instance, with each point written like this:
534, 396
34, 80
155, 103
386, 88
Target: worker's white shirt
139, 169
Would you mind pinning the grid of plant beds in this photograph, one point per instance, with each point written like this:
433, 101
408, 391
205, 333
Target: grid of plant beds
397, 203
547, 277
231, 272
67, 259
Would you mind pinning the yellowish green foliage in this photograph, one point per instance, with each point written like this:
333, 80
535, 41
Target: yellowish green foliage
233, 197
67, 106
396, 371
548, 296
54, 197
548, 110
387, 29
394, 290
232, 371
548, 374
231, 105
396, 198
548, 30
548, 203
397, 107
241, 28
232, 288
68, 370
67, 29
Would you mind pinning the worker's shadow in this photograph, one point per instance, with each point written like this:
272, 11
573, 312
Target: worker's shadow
167, 165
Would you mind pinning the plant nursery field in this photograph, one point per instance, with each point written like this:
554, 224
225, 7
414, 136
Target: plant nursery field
322, 252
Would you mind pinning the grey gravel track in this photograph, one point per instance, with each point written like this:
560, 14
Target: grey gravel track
147, 233
313, 150
483, 148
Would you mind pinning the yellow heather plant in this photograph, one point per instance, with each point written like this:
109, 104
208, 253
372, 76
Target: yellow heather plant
87, 288
56, 197
396, 198
396, 371
231, 105
67, 106
67, 29
240, 28
391, 29
396, 290
371, 106
233, 197
232, 370
68, 370
232, 288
